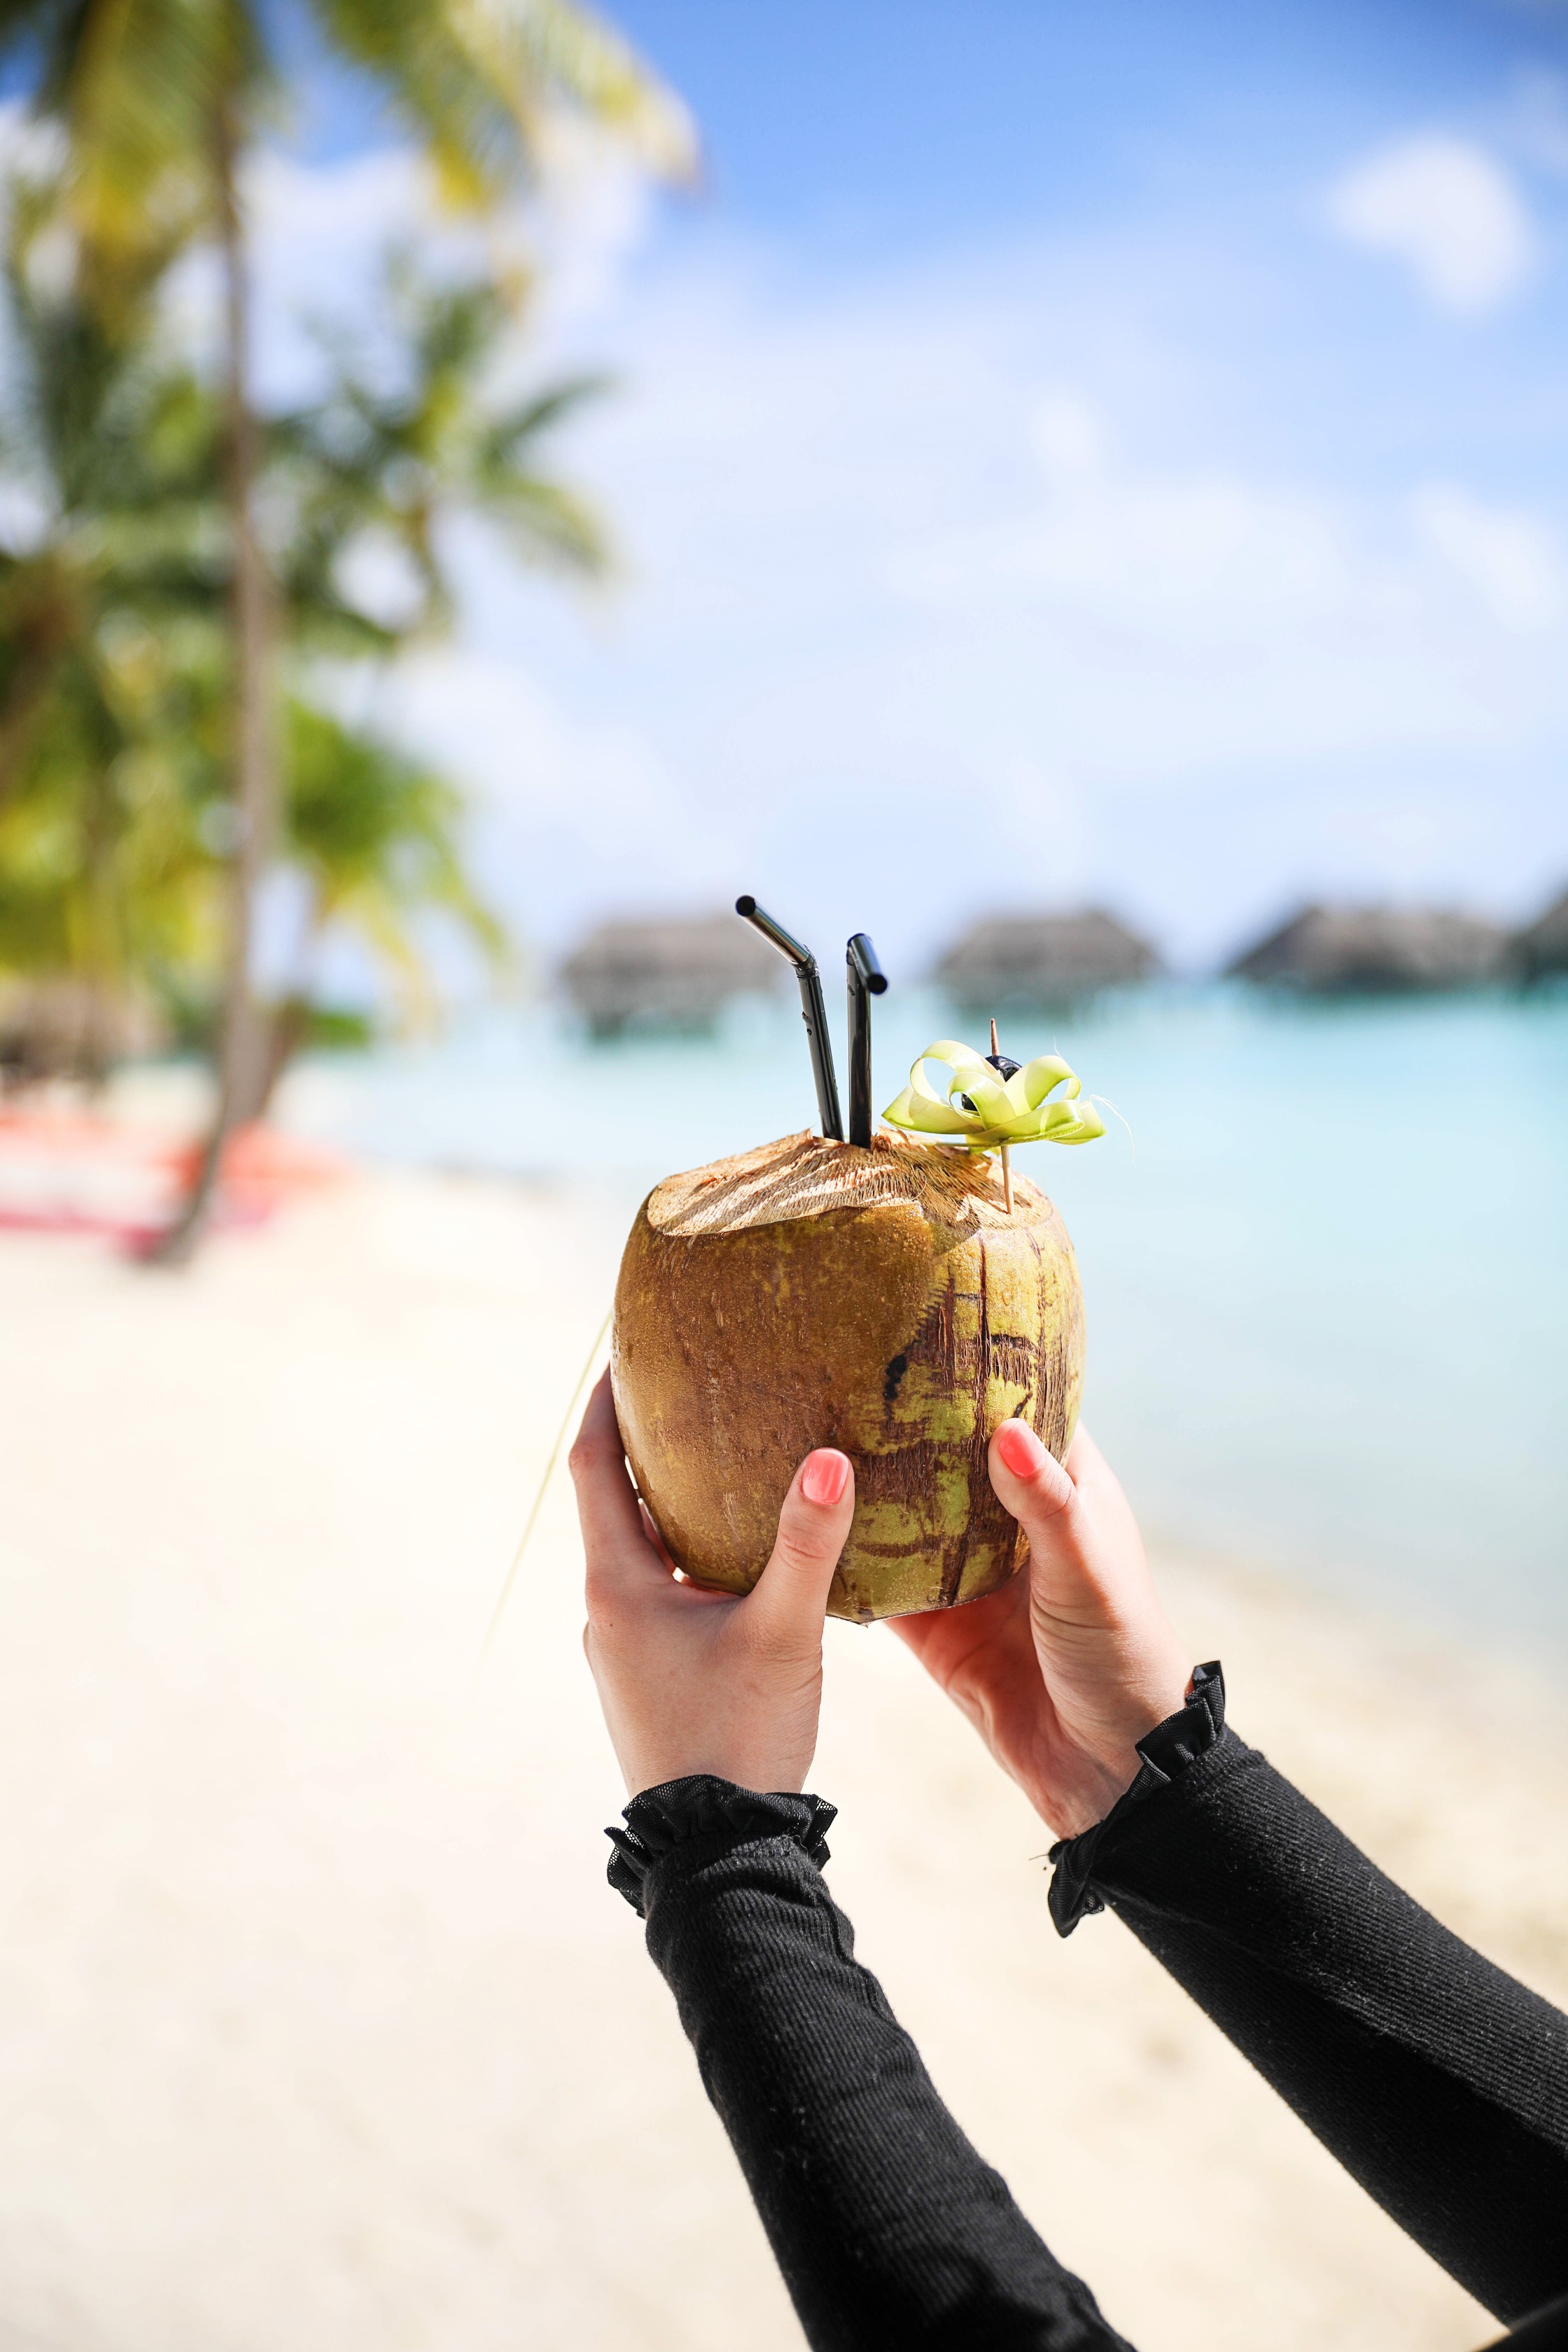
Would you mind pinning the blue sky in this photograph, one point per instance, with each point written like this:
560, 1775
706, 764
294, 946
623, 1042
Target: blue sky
1061, 454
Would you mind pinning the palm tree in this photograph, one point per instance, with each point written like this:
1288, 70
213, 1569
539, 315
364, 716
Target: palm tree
110, 586
159, 100
390, 455
376, 838
111, 667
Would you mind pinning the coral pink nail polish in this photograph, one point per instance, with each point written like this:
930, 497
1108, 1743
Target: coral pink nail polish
825, 1476
1020, 1449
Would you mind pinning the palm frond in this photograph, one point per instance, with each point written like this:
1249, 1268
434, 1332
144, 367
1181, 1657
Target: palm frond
140, 85
378, 836
508, 434
478, 79
547, 525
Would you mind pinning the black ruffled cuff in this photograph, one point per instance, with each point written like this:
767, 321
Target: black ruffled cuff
706, 1812
1167, 1751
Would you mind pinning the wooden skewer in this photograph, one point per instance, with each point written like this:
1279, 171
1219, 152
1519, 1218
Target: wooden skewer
1006, 1163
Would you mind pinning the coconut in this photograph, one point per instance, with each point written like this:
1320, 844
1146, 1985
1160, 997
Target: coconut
884, 1301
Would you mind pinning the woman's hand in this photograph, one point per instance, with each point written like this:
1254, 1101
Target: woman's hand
1065, 1669
694, 1680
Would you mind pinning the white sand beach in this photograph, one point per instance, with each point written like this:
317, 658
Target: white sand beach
319, 2026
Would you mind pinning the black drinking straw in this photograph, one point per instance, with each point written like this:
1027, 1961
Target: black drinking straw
812, 1012
866, 979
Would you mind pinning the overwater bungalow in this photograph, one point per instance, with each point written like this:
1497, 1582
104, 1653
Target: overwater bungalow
675, 973
1027, 960
1541, 948
1351, 950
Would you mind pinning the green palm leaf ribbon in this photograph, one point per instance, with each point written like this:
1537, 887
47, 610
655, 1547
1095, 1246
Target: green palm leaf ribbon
1039, 1104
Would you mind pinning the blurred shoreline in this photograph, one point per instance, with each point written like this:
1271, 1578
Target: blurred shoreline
1323, 1256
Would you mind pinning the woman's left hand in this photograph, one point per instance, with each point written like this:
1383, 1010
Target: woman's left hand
1070, 1665
696, 1681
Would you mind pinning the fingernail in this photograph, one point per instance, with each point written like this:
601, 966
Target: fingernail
825, 1476
1020, 1449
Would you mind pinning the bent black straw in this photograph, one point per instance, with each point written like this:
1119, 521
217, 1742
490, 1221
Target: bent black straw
812, 1012
866, 980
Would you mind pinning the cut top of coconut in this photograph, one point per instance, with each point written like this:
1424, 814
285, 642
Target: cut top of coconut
805, 1176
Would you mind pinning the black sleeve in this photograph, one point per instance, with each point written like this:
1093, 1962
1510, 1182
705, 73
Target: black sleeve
1439, 2083
888, 2226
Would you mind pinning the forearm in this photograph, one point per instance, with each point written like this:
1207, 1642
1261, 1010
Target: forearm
887, 2225
1438, 2081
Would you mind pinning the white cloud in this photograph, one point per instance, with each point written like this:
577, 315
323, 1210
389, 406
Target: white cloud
322, 232
1069, 437
26, 145
1449, 210
1509, 558
941, 591
592, 215
578, 812
1163, 557
319, 234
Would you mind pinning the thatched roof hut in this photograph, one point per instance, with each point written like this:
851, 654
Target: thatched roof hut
1371, 950
676, 973
1035, 960
1543, 946
55, 1026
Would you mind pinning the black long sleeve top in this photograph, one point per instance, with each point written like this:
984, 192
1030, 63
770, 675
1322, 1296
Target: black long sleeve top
1439, 2081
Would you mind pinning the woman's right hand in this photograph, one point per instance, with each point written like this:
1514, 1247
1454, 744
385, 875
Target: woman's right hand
1067, 1668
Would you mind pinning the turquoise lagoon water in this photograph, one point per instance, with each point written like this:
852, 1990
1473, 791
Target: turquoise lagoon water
1325, 1259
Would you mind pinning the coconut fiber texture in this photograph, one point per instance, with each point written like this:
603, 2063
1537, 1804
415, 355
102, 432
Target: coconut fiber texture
1440, 2082
880, 1300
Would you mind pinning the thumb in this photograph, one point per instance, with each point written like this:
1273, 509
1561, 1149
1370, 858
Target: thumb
789, 1598
1030, 1482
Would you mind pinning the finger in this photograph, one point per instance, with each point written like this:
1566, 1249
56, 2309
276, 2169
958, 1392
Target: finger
680, 1583
617, 1551
651, 1535
1100, 1499
1084, 1459
1086, 1555
789, 1599
1028, 1479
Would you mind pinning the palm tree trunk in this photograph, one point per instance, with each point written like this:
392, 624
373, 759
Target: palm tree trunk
99, 963
39, 646
241, 1040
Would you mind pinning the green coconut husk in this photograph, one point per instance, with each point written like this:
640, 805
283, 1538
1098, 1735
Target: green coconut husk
885, 1301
